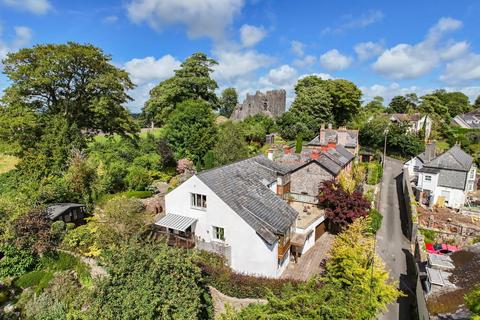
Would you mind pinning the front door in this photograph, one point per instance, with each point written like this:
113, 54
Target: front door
319, 230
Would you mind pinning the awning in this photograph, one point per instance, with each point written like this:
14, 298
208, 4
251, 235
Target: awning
298, 239
176, 222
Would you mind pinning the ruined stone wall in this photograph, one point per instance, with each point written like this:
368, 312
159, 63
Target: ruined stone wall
272, 103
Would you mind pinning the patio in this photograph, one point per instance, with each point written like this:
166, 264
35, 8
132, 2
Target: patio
310, 263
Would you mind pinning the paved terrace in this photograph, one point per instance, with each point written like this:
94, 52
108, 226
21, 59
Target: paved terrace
307, 213
310, 263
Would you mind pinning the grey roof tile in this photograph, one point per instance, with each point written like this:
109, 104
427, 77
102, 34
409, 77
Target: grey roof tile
243, 187
455, 159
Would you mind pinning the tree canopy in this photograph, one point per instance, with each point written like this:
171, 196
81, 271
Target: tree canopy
403, 104
228, 102
191, 82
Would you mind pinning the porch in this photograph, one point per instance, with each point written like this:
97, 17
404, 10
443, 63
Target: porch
177, 229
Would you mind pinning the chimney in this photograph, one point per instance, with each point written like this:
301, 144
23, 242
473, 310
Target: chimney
322, 135
430, 150
287, 150
330, 126
270, 154
314, 155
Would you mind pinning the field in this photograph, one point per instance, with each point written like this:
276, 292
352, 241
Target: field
157, 132
7, 163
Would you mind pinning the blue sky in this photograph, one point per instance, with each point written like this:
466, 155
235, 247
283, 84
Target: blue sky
385, 47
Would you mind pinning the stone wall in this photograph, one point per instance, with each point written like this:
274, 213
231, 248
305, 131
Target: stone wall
272, 103
308, 179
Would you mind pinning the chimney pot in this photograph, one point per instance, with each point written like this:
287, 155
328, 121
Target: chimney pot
329, 126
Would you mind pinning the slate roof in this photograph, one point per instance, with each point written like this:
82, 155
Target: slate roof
452, 166
471, 119
344, 152
328, 163
243, 186
331, 136
57, 209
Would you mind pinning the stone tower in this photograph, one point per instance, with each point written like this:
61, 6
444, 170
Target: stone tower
272, 103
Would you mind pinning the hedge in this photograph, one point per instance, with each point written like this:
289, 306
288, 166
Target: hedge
238, 285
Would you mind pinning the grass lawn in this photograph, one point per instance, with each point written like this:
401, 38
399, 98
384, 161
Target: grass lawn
156, 132
7, 163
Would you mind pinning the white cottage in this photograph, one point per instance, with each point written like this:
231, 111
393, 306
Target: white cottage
443, 179
237, 211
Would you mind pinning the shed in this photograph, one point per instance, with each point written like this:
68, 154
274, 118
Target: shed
67, 212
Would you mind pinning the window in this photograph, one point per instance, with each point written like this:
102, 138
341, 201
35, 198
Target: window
472, 174
219, 233
428, 178
198, 201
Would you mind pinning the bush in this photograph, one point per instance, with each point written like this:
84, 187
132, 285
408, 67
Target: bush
38, 279
375, 220
238, 285
82, 240
58, 230
374, 174
428, 235
472, 300
138, 178
15, 262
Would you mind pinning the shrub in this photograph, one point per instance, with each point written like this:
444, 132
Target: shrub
38, 279
224, 279
32, 232
428, 235
138, 178
375, 173
472, 301
375, 220
15, 262
82, 240
58, 230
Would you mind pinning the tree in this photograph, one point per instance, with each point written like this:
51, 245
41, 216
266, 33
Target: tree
165, 152
74, 81
476, 104
191, 82
150, 281
342, 207
472, 300
312, 99
228, 102
230, 145
375, 106
191, 130
80, 175
432, 105
255, 128
291, 124
403, 143
32, 232
455, 102
299, 144
345, 99
403, 104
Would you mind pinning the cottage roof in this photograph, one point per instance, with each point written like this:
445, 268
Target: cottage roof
331, 136
57, 209
244, 187
453, 159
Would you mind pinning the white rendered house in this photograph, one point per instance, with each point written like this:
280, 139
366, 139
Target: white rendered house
445, 179
235, 211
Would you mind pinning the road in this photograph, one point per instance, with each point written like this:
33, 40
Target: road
392, 245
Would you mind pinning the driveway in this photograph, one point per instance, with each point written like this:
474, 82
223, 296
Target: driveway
310, 263
392, 245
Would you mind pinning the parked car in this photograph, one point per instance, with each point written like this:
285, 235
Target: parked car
442, 248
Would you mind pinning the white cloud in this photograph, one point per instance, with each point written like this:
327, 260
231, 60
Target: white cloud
466, 68
305, 61
149, 69
33, 6
405, 61
283, 76
298, 48
350, 22
235, 64
324, 76
251, 35
389, 91
110, 19
333, 60
201, 18
23, 36
368, 50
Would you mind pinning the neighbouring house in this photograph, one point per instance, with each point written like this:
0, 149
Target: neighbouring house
416, 122
443, 180
470, 120
67, 212
329, 138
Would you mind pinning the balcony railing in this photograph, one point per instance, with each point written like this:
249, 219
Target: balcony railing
298, 197
186, 241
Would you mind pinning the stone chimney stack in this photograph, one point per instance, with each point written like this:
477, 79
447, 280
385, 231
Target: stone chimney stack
342, 136
430, 150
287, 150
315, 154
322, 134
330, 126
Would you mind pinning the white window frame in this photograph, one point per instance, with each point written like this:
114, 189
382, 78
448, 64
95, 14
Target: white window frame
198, 201
218, 236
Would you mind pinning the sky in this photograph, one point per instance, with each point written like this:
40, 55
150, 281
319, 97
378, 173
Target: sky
385, 47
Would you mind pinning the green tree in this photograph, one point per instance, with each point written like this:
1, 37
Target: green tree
191, 129
228, 102
191, 82
456, 102
312, 99
74, 81
476, 104
256, 127
150, 281
472, 300
230, 145
291, 124
299, 144
403, 104
345, 99
375, 106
